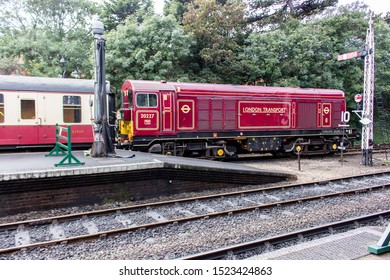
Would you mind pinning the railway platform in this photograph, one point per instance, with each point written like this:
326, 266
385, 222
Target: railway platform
350, 245
30, 181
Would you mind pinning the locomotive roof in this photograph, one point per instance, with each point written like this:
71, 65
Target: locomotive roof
234, 89
28, 83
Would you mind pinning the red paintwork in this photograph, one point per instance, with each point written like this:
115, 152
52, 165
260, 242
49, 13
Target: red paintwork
264, 114
218, 108
41, 135
47, 93
147, 119
185, 109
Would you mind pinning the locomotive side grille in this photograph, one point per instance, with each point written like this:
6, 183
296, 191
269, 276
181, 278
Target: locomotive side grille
306, 115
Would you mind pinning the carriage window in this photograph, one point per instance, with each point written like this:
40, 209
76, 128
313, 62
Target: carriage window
72, 109
1, 108
27, 109
146, 100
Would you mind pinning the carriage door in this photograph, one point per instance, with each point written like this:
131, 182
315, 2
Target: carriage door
33, 128
166, 111
28, 121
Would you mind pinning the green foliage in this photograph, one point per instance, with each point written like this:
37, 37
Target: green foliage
37, 33
266, 13
177, 8
156, 49
305, 55
220, 33
115, 12
8, 66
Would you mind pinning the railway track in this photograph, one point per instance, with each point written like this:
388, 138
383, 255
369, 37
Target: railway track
247, 247
380, 148
355, 150
100, 224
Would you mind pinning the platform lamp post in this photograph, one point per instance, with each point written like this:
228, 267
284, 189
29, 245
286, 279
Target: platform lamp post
102, 145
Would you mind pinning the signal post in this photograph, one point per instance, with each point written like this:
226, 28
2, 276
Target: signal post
367, 114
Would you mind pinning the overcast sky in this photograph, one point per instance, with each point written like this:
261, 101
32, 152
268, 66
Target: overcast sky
378, 6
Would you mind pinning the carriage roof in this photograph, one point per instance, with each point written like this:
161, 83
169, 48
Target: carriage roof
27, 83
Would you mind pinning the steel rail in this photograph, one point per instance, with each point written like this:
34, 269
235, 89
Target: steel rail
260, 156
291, 236
192, 218
75, 216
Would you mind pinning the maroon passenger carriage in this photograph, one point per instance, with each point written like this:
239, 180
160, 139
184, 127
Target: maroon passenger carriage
30, 108
224, 120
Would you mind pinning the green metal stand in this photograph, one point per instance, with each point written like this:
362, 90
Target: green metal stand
383, 244
61, 149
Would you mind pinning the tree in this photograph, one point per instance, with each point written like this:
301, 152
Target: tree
9, 66
274, 12
220, 32
305, 55
156, 49
177, 8
115, 12
58, 17
38, 33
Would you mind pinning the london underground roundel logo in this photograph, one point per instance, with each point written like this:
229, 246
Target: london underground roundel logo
326, 110
185, 109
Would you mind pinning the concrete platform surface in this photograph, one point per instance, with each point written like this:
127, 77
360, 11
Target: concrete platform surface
351, 245
32, 182
36, 165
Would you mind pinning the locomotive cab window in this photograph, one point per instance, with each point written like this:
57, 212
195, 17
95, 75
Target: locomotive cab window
1, 108
147, 100
72, 108
27, 108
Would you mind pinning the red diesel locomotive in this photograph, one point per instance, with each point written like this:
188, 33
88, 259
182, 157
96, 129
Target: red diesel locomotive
212, 120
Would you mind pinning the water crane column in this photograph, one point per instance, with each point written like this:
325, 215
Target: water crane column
102, 145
